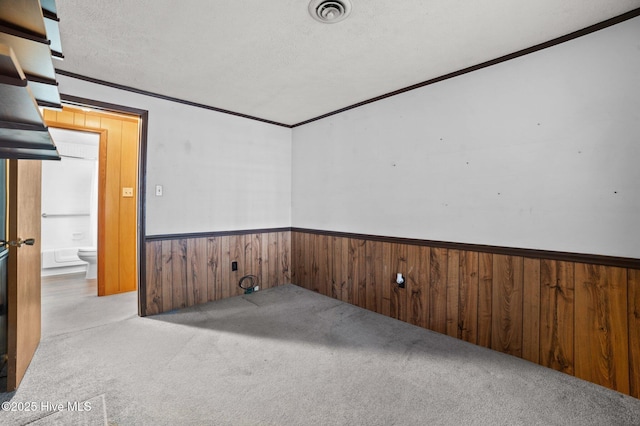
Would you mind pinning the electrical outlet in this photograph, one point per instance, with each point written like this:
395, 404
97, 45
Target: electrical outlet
400, 280
127, 192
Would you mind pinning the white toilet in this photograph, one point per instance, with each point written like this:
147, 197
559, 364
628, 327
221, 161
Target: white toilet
89, 255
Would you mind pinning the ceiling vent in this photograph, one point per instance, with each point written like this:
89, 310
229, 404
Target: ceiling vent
329, 11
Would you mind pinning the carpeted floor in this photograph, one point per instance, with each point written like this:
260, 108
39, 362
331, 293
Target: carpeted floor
287, 356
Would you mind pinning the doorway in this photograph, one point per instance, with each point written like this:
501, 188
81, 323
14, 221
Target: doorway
70, 190
122, 165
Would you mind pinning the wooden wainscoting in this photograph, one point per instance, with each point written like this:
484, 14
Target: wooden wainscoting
185, 271
576, 317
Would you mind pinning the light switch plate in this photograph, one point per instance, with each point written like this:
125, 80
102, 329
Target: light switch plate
158, 190
127, 192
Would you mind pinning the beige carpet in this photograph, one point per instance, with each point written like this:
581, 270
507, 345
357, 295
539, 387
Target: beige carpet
287, 356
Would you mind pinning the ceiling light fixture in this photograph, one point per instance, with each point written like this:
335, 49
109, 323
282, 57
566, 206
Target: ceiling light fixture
329, 11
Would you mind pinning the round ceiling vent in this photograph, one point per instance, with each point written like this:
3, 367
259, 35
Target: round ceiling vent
329, 11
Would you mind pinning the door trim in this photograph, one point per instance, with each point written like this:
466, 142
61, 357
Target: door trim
102, 185
142, 180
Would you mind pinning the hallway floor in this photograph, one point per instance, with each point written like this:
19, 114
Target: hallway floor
70, 303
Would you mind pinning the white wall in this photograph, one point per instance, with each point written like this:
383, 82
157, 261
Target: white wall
67, 190
219, 172
539, 152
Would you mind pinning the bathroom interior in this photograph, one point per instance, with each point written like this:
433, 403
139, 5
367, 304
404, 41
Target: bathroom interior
70, 205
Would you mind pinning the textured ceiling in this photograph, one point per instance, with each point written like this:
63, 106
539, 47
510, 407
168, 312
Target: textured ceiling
271, 60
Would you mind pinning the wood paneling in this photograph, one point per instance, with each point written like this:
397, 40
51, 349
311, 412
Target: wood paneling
453, 287
189, 271
178, 260
387, 279
578, 318
307, 270
325, 266
269, 256
197, 286
438, 290
111, 196
506, 305
256, 256
225, 269
398, 295
337, 273
556, 315
237, 254
214, 270
166, 272
297, 256
416, 285
374, 276
468, 297
358, 271
284, 254
601, 328
531, 311
154, 278
485, 292
341, 246
634, 332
